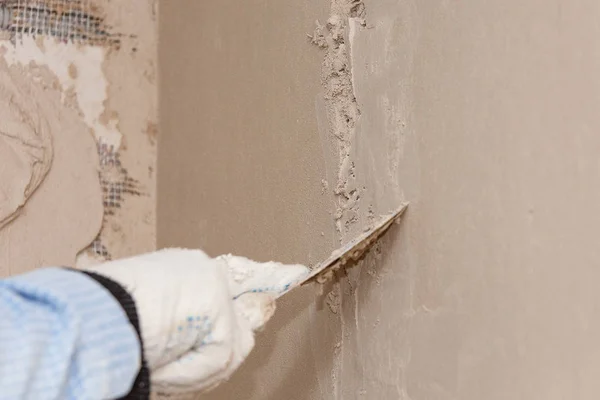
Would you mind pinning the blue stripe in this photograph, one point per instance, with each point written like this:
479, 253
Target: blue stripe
63, 336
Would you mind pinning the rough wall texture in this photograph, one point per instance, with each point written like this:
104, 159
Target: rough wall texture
128, 161
482, 114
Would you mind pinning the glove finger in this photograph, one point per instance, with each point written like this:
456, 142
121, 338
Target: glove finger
212, 361
250, 276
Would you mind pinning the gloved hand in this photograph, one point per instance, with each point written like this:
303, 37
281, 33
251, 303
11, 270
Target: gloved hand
198, 315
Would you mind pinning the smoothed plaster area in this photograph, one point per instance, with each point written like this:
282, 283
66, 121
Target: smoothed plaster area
482, 114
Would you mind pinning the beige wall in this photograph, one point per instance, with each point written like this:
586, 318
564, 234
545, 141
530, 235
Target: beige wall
482, 114
241, 163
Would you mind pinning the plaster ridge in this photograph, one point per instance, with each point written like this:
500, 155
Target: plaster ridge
342, 108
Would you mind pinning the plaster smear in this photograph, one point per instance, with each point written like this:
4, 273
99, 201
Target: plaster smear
367, 125
342, 108
79, 72
343, 113
50, 174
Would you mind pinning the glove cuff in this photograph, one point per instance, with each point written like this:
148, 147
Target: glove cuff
141, 387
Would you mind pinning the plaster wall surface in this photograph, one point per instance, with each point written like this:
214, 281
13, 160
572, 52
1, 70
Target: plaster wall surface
241, 164
489, 291
482, 114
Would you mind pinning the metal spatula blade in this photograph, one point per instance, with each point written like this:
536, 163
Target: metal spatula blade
352, 250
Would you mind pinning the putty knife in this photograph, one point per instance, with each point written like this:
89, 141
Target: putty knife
352, 250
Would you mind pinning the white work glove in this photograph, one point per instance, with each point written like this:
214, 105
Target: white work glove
198, 315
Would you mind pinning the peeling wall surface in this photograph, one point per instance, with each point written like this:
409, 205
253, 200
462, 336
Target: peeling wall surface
78, 131
128, 160
481, 114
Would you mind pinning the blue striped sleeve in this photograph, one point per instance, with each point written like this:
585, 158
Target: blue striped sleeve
63, 336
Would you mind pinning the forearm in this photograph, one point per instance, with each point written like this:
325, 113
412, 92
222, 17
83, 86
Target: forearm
63, 335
